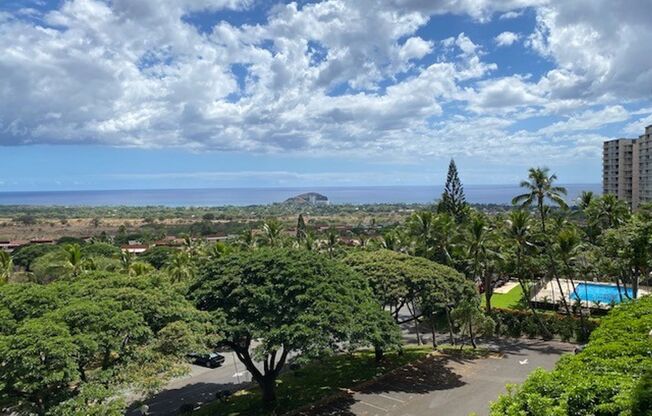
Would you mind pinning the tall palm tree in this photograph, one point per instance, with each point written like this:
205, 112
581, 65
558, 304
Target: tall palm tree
444, 238
541, 188
612, 211
519, 232
480, 254
420, 225
568, 243
6, 267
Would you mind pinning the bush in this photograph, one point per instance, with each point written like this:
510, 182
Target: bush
642, 397
515, 323
611, 376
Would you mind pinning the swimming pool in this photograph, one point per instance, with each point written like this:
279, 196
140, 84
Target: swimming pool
594, 292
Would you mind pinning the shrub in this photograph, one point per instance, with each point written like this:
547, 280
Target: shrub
611, 376
515, 323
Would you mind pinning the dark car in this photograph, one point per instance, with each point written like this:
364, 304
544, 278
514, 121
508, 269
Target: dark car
210, 360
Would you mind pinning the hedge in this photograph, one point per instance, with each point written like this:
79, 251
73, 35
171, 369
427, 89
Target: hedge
606, 378
517, 323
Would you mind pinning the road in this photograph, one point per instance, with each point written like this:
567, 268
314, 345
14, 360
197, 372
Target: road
446, 386
201, 384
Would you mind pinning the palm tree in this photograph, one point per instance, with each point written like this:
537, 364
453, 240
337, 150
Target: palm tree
74, 262
140, 268
420, 225
126, 259
272, 231
519, 232
568, 243
541, 188
332, 239
585, 199
217, 250
479, 253
247, 239
180, 268
444, 238
612, 211
6, 267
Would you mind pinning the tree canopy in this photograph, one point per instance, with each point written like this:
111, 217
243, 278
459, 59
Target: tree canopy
275, 302
62, 338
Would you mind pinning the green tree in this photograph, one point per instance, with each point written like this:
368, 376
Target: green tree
301, 229
6, 267
541, 188
401, 281
180, 268
518, 232
39, 364
287, 301
453, 201
472, 321
159, 256
272, 233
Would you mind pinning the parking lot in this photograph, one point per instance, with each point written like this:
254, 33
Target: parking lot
447, 386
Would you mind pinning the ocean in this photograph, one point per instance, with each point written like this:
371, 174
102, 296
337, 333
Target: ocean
480, 194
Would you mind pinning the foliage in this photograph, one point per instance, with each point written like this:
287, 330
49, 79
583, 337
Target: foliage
25, 255
90, 333
516, 323
453, 201
600, 380
289, 301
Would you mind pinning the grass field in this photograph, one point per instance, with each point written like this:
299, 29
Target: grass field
509, 300
314, 381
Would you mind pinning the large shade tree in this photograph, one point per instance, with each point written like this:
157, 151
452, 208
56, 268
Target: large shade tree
276, 302
402, 282
97, 332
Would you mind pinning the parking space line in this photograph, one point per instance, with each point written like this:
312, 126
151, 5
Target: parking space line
391, 398
374, 406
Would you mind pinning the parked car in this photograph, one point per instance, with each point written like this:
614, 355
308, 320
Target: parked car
579, 348
210, 360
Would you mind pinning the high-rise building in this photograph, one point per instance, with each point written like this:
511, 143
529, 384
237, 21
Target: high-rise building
627, 168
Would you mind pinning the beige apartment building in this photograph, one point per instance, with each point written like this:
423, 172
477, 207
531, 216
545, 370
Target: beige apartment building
627, 168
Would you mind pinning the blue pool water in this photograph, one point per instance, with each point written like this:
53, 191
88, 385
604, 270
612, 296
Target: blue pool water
599, 293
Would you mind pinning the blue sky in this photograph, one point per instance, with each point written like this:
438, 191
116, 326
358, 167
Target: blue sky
119, 94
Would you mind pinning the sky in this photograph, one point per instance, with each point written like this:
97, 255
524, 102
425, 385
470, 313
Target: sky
135, 94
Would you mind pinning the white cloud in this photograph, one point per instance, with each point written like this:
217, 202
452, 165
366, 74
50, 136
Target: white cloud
333, 77
589, 120
506, 38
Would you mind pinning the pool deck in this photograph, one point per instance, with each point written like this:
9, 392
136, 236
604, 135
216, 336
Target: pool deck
550, 292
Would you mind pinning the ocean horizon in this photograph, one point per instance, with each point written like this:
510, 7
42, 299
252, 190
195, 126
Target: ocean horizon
209, 197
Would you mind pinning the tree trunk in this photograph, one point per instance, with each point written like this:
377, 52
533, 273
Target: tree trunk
378, 353
268, 387
413, 311
553, 268
488, 291
432, 329
471, 334
450, 325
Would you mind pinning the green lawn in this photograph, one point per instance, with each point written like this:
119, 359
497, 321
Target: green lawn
509, 300
315, 381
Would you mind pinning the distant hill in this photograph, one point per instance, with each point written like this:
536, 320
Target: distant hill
311, 198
